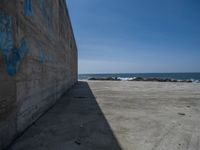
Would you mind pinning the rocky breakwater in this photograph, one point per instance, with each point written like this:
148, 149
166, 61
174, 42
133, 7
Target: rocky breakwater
106, 79
140, 79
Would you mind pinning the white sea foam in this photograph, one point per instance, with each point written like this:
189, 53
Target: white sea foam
126, 79
195, 81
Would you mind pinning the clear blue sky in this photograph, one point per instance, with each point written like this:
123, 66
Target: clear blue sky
129, 36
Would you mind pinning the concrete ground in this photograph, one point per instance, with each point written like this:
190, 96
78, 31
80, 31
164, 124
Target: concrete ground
117, 115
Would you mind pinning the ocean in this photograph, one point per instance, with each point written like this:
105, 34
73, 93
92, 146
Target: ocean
195, 77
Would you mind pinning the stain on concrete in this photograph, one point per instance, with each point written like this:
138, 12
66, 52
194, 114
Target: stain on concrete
28, 10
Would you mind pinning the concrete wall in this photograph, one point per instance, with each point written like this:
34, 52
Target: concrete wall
38, 61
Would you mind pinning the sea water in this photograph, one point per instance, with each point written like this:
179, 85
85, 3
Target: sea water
195, 77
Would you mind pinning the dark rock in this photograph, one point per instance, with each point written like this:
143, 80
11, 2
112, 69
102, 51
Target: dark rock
141, 79
174, 80
138, 79
106, 79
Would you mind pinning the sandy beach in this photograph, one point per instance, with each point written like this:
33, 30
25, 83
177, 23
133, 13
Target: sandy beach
119, 115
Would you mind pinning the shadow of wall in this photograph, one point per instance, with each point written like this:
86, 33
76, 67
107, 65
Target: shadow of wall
75, 122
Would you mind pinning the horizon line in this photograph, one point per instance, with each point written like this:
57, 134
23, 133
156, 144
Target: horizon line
140, 73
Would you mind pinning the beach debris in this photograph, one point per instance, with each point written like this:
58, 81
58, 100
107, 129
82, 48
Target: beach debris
78, 138
77, 142
80, 97
182, 114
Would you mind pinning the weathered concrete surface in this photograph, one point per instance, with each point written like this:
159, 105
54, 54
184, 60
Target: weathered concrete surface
38, 61
104, 115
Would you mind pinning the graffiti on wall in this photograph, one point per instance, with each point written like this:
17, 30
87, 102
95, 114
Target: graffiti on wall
6, 35
44, 56
28, 10
12, 55
41, 4
48, 13
50, 17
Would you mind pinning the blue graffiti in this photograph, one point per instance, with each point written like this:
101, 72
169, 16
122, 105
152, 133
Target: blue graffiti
42, 4
11, 54
50, 58
44, 56
48, 13
14, 57
49, 22
6, 35
28, 11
